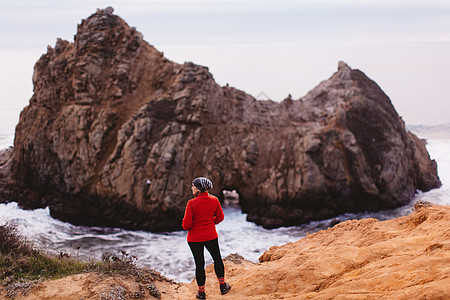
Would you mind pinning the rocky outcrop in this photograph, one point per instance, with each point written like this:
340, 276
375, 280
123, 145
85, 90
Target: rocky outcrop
115, 133
404, 258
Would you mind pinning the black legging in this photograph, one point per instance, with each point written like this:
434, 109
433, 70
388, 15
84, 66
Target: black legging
199, 258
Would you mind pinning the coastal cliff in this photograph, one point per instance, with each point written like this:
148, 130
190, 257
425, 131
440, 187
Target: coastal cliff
403, 258
115, 133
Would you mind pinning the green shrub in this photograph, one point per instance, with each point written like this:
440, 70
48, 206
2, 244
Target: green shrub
20, 259
22, 266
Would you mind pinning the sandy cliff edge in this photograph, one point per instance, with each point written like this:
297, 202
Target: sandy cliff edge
403, 258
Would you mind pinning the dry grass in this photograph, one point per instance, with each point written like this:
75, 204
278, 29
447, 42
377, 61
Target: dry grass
22, 266
19, 259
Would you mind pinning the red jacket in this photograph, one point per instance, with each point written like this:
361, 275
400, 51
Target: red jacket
201, 216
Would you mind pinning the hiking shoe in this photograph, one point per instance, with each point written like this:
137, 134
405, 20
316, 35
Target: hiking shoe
225, 288
201, 295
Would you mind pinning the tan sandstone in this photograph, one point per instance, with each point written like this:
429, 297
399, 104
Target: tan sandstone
403, 258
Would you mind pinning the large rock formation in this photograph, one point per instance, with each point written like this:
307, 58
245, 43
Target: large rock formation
115, 132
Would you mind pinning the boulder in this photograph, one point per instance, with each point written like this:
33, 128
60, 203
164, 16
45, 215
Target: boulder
115, 133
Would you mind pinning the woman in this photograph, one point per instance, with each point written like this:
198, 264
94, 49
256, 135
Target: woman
201, 216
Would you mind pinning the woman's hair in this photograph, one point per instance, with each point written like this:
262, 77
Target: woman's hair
202, 184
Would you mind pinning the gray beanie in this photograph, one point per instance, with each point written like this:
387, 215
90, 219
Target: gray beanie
202, 184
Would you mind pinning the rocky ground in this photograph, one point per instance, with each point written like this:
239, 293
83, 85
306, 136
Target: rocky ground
403, 258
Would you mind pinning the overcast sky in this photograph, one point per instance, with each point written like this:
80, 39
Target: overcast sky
279, 47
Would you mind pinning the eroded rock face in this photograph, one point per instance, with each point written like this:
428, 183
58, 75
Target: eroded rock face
110, 114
